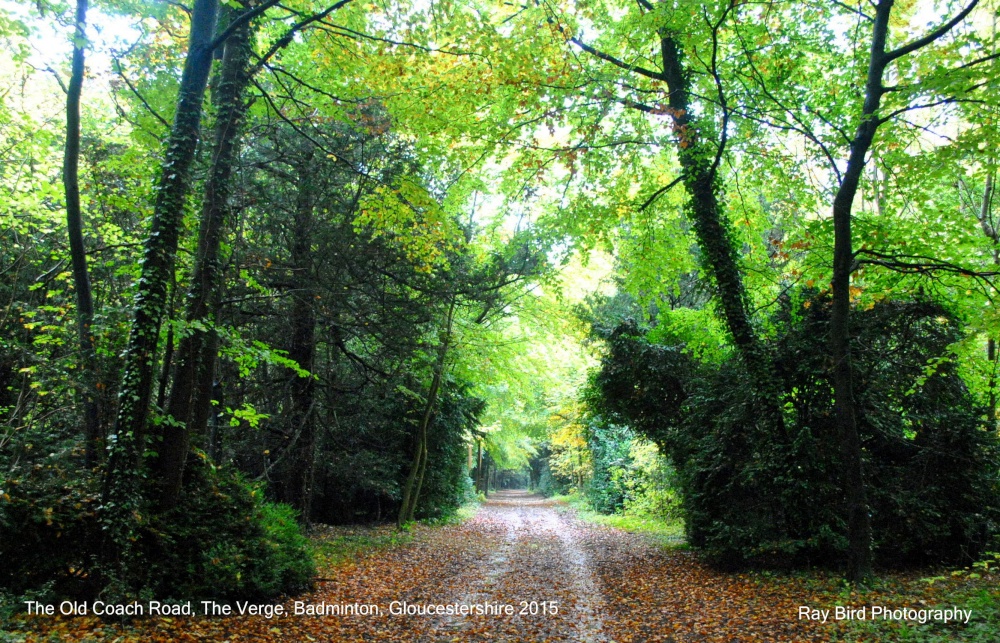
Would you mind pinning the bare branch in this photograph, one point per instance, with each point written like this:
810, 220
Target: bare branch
661, 192
714, 71
929, 38
615, 61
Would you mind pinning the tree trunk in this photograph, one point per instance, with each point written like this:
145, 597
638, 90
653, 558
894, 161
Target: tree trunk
161, 249
711, 227
302, 349
125, 492
991, 356
859, 554
479, 465
989, 227
88, 373
168, 351
414, 480
189, 404
706, 212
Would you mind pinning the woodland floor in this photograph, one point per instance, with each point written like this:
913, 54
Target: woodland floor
608, 585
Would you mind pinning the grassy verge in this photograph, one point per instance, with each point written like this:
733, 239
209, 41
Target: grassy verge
665, 532
333, 546
460, 515
975, 589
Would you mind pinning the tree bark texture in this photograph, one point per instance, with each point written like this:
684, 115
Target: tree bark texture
88, 371
189, 405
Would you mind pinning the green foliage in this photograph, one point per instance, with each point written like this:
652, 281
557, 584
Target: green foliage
630, 477
49, 532
653, 484
447, 485
972, 590
751, 495
608, 487
224, 540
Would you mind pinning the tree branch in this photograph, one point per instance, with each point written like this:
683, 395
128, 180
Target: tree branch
286, 39
929, 38
660, 192
615, 61
142, 99
855, 10
239, 21
921, 264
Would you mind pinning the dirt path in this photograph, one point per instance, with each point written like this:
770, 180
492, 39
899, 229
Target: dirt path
524, 571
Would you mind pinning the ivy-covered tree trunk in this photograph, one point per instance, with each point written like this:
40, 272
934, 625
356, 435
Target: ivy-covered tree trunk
302, 349
161, 245
124, 487
700, 177
699, 167
189, 405
88, 373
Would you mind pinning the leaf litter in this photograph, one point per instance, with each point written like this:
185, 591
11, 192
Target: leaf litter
565, 580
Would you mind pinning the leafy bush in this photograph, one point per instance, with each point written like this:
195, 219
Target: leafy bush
609, 485
48, 528
653, 487
630, 475
223, 540
767, 492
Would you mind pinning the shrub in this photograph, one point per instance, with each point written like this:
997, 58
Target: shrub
223, 540
48, 527
756, 491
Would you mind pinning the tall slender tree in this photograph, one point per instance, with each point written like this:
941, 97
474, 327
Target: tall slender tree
88, 372
159, 254
844, 264
189, 404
